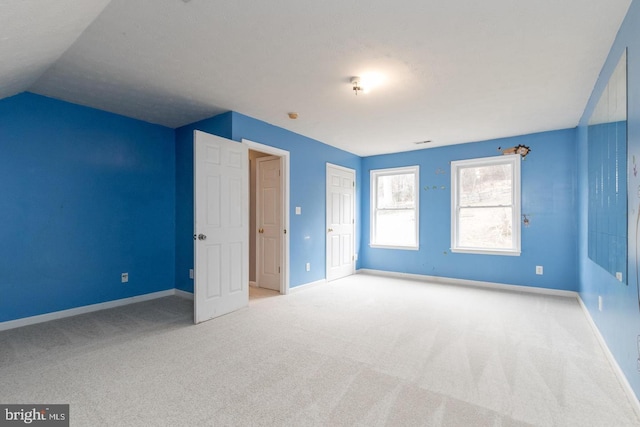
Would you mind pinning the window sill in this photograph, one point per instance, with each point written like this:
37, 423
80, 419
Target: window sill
485, 252
403, 248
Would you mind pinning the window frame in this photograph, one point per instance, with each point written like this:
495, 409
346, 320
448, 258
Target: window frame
374, 174
516, 234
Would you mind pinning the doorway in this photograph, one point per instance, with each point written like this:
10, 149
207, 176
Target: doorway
268, 219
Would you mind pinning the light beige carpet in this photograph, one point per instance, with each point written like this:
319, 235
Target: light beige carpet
363, 351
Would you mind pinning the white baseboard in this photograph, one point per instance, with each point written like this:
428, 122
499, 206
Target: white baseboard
307, 286
633, 399
253, 284
26, 321
471, 283
183, 294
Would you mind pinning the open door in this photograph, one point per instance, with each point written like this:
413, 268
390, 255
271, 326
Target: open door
268, 222
284, 207
221, 226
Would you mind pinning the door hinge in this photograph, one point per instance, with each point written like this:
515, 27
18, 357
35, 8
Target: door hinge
353, 257
354, 183
278, 270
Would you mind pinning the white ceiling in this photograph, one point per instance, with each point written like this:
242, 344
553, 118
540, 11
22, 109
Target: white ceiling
455, 71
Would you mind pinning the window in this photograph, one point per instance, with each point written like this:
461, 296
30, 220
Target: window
394, 207
485, 205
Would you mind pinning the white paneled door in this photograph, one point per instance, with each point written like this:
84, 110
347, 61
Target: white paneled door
221, 231
268, 222
340, 221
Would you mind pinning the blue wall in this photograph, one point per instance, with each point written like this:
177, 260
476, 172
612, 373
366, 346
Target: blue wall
548, 199
86, 195
308, 159
619, 320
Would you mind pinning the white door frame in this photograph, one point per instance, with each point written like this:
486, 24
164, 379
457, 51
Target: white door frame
284, 241
353, 225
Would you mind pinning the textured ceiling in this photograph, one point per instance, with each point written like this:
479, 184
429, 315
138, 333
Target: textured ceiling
35, 33
455, 71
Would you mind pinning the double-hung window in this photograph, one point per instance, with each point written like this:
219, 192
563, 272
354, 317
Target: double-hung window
394, 207
485, 205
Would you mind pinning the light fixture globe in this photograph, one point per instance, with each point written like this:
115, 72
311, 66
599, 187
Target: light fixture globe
355, 82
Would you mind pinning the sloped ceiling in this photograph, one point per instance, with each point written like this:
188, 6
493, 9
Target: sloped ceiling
34, 34
453, 72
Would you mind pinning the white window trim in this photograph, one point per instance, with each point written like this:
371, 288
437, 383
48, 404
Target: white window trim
373, 184
514, 160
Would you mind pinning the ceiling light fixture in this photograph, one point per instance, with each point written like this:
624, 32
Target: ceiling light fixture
366, 82
355, 81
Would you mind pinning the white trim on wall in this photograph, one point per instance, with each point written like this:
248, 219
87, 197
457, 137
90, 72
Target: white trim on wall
633, 399
26, 321
473, 283
183, 294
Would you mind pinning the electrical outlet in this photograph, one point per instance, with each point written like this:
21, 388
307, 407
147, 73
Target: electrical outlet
124, 277
298, 210
308, 266
539, 270
619, 276
355, 257
599, 302
191, 273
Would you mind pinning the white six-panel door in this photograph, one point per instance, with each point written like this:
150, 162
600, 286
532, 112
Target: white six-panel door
340, 221
221, 231
268, 222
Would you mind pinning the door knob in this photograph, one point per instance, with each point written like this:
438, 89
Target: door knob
202, 236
